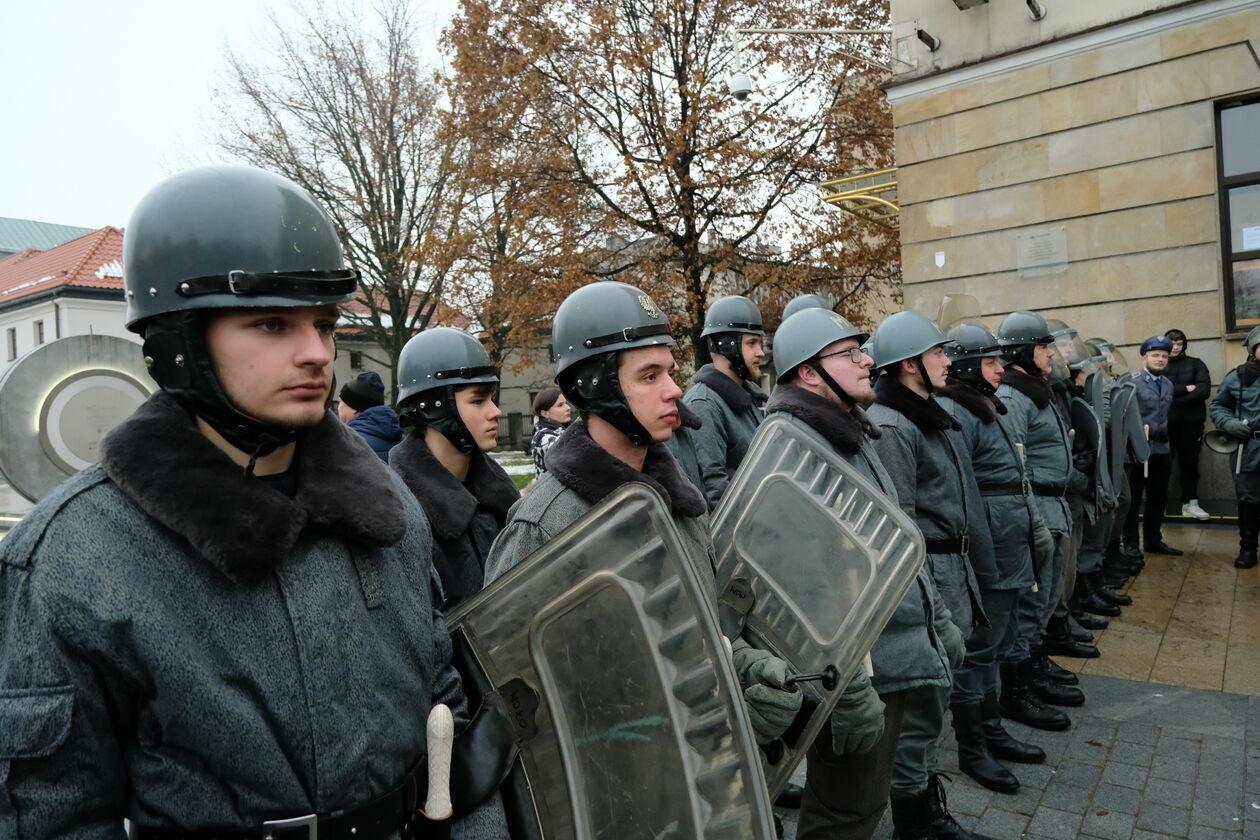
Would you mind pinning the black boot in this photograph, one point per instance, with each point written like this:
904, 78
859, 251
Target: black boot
1058, 673
1049, 690
1056, 642
1088, 599
1102, 590
912, 817
974, 757
1001, 744
1248, 531
944, 826
1076, 631
1088, 620
1019, 704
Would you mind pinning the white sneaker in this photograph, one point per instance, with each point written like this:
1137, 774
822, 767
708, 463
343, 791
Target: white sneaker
1191, 508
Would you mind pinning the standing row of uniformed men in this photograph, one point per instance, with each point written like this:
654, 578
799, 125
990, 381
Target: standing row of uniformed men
231, 627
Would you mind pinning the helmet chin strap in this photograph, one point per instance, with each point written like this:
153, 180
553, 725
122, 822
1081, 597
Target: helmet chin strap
831, 383
596, 389
730, 346
437, 408
927, 380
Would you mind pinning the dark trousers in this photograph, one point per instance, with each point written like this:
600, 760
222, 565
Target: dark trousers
1155, 487
1184, 439
845, 795
987, 647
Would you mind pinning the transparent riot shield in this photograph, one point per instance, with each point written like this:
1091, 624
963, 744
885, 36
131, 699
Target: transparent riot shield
1134, 427
603, 647
816, 559
1118, 434
1091, 434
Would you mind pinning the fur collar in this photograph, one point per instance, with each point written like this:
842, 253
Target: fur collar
927, 414
448, 503
688, 418
844, 429
588, 470
739, 396
159, 458
1035, 388
983, 404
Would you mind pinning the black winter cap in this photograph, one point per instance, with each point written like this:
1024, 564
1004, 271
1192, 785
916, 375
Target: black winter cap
364, 391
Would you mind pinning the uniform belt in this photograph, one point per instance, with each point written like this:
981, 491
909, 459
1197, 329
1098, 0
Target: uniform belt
390, 814
956, 545
1010, 488
1049, 489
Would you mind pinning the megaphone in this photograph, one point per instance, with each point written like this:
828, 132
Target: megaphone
1218, 441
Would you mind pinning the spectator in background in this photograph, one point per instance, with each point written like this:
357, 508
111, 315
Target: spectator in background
362, 408
1154, 396
552, 414
1191, 386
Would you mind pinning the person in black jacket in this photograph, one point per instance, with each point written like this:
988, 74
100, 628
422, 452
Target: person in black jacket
1191, 387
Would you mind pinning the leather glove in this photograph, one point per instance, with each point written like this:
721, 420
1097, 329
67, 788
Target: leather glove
858, 720
1236, 428
771, 707
954, 643
1043, 545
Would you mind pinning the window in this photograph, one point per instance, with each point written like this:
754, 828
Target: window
356, 360
12, 343
1238, 165
39, 333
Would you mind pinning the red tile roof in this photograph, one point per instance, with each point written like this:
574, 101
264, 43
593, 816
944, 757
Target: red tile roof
93, 261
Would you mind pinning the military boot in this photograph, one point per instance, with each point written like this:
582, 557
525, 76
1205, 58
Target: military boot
1001, 744
1102, 590
944, 826
974, 757
1248, 532
1057, 642
1088, 620
1018, 703
1085, 597
1049, 690
1058, 673
912, 817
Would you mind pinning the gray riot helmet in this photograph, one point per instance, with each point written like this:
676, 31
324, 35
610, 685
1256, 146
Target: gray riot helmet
1019, 334
433, 365
1252, 339
968, 344
726, 323
905, 335
802, 336
224, 237
1116, 361
800, 302
591, 327
1069, 350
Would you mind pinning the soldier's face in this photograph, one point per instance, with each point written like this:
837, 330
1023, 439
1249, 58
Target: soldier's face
937, 364
991, 370
646, 376
276, 365
853, 377
754, 353
476, 407
1041, 358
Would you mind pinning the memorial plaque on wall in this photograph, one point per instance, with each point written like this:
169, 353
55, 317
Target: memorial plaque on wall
1042, 251
59, 401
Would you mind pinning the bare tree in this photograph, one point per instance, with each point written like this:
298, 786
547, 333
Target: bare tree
346, 111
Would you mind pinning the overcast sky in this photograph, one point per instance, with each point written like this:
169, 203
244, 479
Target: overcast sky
103, 100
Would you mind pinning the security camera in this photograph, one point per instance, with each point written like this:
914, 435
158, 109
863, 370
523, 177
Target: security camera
740, 86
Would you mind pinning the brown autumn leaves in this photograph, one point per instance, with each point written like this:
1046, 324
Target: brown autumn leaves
572, 140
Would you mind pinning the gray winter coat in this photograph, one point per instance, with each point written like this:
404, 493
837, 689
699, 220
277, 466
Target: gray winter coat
922, 453
1154, 403
908, 653
580, 474
995, 464
1036, 424
188, 647
729, 416
466, 517
1239, 397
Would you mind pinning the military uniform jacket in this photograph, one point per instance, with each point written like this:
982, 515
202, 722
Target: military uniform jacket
1238, 396
1154, 397
465, 516
908, 652
730, 414
1036, 424
188, 647
580, 474
995, 464
920, 450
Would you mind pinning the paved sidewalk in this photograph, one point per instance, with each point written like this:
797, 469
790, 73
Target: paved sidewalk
1142, 761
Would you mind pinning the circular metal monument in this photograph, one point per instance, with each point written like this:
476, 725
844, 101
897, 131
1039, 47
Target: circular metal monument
57, 403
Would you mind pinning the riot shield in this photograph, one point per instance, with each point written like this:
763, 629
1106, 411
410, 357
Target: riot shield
1117, 435
604, 647
1136, 433
1090, 433
816, 559
955, 309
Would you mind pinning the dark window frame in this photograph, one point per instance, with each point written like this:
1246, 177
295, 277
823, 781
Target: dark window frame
1224, 185
39, 333
12, 343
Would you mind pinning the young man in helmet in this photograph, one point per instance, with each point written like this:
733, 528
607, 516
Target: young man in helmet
1034, 422
446, 390
1009, 516
1236, 411
615, 364
227, 622
920, 449
1154, 398
823, 382
725, 395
